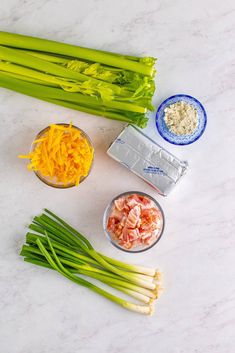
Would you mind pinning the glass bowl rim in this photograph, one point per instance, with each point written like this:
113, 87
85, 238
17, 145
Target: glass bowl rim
47, 182
182, 95
113, 242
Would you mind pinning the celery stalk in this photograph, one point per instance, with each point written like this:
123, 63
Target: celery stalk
55, 93
111, 85
38, 44
79, 102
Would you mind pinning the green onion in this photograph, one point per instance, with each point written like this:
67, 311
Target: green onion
57, 245
131, 268
56, 265
111, 85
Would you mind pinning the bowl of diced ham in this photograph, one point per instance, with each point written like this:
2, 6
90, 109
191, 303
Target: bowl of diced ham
133, 221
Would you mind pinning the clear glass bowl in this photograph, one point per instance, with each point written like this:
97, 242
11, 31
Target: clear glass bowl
53, 182
181, 139
139, 248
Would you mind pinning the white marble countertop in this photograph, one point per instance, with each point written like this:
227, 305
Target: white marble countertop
43, 313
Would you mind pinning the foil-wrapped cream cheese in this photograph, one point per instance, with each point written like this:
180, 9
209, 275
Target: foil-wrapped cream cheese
147, 159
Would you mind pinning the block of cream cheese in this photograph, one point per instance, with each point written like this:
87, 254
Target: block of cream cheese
147, 159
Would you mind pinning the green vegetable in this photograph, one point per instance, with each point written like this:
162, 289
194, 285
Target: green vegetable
56, 245
97, 82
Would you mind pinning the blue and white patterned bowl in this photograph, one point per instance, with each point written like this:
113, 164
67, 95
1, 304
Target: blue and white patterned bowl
181, 139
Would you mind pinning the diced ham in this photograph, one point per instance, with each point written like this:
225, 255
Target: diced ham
111, 224
133, 217
127, 245
133, 234
148, 240
123, 220
132, 201
146, 202
117, 214
146, 235
134, 220
138, 223
119, 203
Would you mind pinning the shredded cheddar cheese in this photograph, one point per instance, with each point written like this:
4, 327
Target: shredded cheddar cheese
62, 154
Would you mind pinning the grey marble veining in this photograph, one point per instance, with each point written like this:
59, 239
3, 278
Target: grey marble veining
41, 312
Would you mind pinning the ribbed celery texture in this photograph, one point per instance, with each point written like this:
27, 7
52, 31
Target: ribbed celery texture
114, 86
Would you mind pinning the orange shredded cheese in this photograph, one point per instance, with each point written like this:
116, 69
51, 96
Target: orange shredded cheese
62, 154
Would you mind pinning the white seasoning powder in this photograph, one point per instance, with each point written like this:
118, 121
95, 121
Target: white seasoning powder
181, 118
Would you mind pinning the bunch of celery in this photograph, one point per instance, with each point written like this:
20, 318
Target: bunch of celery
56, 245
97, 82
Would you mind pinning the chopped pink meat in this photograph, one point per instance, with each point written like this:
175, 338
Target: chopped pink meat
117, 214
146, 203
123, 220
132, 201
133, 217
133, 234
119, 203
134, 220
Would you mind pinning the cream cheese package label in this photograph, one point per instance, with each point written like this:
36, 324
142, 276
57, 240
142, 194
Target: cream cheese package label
147, 159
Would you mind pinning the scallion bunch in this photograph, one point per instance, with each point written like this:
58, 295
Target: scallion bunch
53, 243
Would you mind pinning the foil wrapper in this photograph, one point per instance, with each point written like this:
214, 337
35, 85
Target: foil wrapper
144, 157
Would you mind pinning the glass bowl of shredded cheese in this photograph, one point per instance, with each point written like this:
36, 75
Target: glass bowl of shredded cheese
181, 119
61, 155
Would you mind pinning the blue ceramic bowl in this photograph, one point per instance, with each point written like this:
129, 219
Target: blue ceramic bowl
181, 139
